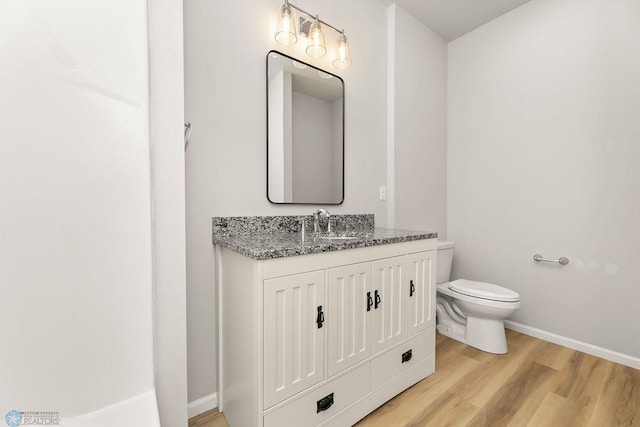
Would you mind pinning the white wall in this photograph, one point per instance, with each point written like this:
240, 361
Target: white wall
543, 157
75, 252
225, 65
418, 107
166, 123
337, 122
279, 156
313, 163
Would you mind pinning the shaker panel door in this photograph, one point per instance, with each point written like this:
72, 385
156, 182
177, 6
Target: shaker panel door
421, 279
294, 335
348, 316
389, 317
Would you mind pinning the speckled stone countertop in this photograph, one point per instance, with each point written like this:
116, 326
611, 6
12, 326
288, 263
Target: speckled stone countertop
269, 237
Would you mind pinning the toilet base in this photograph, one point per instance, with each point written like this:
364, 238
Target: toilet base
451, 332
484, 334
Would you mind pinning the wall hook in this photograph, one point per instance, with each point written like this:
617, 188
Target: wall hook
187, 135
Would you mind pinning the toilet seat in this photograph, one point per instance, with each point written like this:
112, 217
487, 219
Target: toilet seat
483, 290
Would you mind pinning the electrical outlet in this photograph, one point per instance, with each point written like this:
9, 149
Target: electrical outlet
383, 192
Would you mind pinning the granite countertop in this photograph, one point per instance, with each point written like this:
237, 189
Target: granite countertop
263, 238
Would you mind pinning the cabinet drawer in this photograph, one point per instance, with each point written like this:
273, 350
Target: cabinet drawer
303, 411
389, 365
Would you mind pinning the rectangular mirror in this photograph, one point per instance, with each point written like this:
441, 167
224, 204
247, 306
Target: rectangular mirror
305, 133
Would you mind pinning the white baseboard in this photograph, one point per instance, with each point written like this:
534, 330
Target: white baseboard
584, 347
203, 405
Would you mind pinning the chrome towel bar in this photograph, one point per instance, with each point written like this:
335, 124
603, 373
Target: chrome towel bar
562, 260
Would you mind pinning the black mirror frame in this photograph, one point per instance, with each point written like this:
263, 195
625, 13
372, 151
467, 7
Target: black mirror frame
267, 127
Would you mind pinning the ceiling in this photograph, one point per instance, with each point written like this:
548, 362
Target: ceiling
452, 18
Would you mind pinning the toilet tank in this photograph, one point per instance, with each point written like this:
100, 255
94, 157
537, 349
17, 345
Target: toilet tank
445, 256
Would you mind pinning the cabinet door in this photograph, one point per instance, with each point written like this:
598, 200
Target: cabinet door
389, 292
421, 291
348, 320
294, 335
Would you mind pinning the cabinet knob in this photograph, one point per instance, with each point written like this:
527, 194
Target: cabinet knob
412, 288
378, 300
369, 301
406, 356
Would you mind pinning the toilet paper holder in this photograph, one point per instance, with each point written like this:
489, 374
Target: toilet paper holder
562, 260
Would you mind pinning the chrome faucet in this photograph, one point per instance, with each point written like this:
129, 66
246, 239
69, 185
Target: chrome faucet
316, 220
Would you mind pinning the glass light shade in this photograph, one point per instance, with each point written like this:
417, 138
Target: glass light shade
316, 47
299, 65
286, 31
343, 60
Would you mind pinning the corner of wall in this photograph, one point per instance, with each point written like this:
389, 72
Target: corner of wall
391, 48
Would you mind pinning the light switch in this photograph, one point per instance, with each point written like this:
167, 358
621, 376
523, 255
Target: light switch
383, 192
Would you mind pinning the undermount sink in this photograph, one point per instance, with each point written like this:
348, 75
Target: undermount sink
335, 238
341, 237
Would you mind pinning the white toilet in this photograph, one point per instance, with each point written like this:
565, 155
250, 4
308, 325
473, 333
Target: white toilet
472, 312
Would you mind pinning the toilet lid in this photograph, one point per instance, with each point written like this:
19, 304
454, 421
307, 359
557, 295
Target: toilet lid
483, 290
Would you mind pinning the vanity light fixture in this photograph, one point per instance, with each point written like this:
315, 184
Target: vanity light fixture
286, 32
344, 56
312, 27
316, 47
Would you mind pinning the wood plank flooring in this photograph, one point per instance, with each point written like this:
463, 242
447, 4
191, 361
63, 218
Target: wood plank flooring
211, 418
537, 384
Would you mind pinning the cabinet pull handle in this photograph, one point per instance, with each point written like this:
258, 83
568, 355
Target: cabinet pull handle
324, 403
378, 300
412, 288
406, 356
369, 301
320, 318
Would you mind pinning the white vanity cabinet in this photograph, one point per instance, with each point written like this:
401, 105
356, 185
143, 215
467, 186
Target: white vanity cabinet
323, 339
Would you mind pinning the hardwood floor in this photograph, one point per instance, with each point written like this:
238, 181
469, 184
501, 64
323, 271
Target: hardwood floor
211, 418
537, 384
